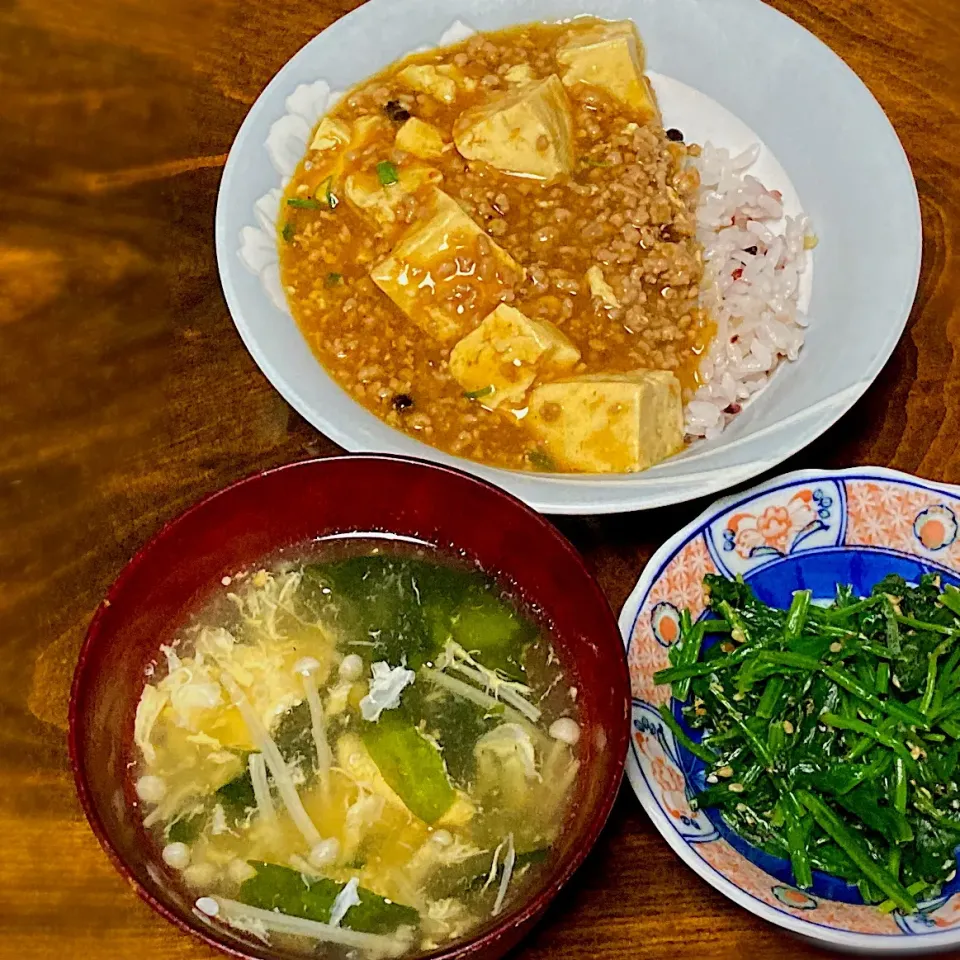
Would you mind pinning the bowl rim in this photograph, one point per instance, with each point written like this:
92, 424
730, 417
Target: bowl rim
580, 491
885, 944
516, 922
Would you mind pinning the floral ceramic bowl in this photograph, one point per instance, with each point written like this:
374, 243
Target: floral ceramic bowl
807, 530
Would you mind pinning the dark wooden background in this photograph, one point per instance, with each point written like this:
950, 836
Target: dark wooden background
125, 395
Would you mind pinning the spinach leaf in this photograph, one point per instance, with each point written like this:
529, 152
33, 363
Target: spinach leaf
850, 710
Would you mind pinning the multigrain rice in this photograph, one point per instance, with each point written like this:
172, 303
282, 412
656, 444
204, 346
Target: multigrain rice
754, 257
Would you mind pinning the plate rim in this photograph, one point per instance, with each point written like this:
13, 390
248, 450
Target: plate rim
582, 494
888, 944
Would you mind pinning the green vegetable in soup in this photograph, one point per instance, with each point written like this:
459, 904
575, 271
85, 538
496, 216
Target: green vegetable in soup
292, 736
187, 828
411, 764
410, 608
379, 599
298, 895
456, 723
470, 875
366, 671
493, 633
479, 394
236, 797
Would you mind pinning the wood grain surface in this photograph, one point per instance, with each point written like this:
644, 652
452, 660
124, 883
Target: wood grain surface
125, 394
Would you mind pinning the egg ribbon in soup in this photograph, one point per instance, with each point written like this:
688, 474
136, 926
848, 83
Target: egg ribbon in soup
375, 752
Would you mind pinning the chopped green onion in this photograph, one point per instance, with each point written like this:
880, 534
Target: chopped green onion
289, 231
303, 203
333, 279
797, 615
703, 669
797, 841
477, 394
771, 695
387, 173
541, 461
332, 199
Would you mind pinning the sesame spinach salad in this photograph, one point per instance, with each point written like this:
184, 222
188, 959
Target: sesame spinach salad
830, 734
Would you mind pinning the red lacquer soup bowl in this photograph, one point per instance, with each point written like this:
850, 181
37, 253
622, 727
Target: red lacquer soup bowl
296, 504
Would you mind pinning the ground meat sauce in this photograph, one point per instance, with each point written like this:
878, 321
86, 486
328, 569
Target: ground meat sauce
627, 207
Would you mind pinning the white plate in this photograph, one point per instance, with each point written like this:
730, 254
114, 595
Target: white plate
776, 83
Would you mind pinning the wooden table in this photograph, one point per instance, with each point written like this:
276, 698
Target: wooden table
125, 395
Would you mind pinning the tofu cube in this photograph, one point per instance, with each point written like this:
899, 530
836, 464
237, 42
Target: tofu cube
368, 195
442, 82
331, 133
609, 423
421, 139
612, 58
333, 140
521, 73
527, 132
499, 361
434, 273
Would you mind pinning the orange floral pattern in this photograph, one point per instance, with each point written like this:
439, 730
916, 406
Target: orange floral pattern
754, 881
774, 528
680, 584
883, 513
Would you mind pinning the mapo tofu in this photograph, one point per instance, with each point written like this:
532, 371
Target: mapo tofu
492, 247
